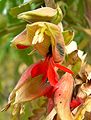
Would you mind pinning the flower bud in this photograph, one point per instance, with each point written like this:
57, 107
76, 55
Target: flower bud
42, 14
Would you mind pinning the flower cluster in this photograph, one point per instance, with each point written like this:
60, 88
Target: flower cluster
44, 33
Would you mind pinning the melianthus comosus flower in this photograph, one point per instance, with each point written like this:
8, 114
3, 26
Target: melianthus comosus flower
41, 78
37, 80
44, 37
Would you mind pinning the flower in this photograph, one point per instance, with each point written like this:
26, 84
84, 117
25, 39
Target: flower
44, 37
42, 14
36, 81
47, 69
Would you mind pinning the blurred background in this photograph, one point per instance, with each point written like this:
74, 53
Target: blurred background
77, 16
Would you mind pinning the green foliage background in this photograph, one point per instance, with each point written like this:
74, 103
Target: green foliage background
77, 16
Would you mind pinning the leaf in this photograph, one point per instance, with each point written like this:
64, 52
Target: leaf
24, 7
3, 21
68, 36
2, 5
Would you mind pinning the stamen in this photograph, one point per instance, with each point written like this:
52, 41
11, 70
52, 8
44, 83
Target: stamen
35, 38
40, 38
39, 35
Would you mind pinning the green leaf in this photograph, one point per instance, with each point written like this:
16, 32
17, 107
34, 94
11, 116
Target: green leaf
68, 36
3, 21
2, 5
33, 4
16, 10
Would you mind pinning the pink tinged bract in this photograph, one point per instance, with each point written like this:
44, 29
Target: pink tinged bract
32, 89
62, 97
30, 86
21, 41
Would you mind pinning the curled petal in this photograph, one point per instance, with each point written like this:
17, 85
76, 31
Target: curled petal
21, 41
31, 89
40, 69
62, 97
68, 36
42, 35
25, 76
42, 14
57, 42
63, 68
52, 75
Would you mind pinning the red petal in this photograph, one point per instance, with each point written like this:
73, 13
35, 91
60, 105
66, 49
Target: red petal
50, 94
63, 68
40, 68
75, 103
21, 46
52, 76
37, 70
